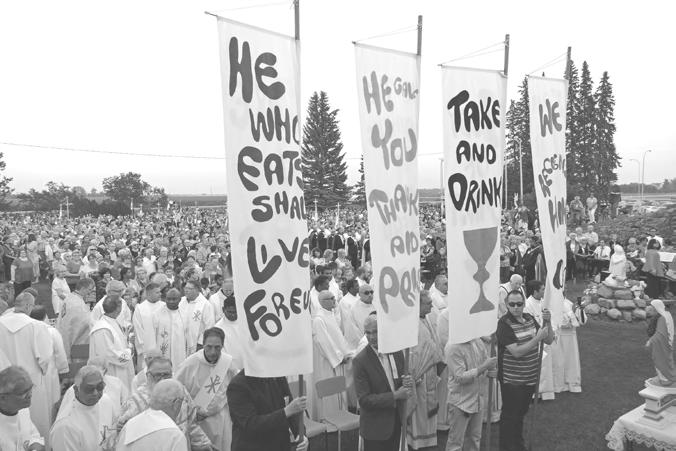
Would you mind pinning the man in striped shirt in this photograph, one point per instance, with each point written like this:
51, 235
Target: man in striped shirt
519, 337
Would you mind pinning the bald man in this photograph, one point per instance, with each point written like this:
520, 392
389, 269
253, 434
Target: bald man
140, 378
354, 330
155, 428
331, 354
86, 417
17, 431
216, 299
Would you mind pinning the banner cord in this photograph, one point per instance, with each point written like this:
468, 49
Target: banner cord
391, 33
476, 53
550, 63
259, 5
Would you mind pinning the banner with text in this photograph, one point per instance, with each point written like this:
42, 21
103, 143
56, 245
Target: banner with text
388, 86
547, 103
268, 221
474, 142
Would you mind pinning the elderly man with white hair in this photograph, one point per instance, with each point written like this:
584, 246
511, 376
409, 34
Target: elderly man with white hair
155, 429
107, 340
17, 431
27, 343
60, 288
159, 369
114, 290
86, 420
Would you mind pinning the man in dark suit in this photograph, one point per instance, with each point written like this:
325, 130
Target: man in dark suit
381, 389
264, 417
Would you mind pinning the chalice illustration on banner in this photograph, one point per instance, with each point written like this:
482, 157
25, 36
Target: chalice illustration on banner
480, 244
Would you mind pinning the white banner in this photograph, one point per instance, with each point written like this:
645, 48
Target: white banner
474, 103
547, 103
388, 85
268, 228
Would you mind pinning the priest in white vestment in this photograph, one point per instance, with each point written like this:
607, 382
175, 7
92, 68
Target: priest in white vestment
60, 288
438, 293
17, 431
155, 428
534, 307
107, 340
58, 364
216, 299
354, 329
115, 389
86, 420
73, 322
320, 283
114, 291
142, 320
346, 303
331, 357
140, 379
206, 374
26, 342
171, 329
198, 312
425, 358
228, 324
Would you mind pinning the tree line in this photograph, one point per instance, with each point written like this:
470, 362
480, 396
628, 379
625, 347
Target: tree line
591, 156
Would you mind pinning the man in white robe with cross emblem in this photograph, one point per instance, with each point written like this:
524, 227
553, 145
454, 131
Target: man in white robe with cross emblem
198, 311
108, 340
206, 374
171, 329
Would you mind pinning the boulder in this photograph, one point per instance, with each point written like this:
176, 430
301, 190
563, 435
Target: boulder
640, 303
650, 311
639, 314
625, 304
623, 293
592, 309
606, 303
605, 291
627, 316
614, 313
603, 310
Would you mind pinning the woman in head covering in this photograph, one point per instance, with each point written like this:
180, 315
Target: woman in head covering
661, 345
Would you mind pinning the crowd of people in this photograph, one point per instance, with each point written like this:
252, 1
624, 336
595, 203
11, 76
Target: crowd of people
143, 338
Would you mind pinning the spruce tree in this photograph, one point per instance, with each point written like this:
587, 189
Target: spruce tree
605, 154
585, 159
324, 171
573, 133
518, 131
359, 189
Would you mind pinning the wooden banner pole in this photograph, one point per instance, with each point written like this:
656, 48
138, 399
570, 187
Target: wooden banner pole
296, 15
404, 418
419, 35
506, 66
491, 393
568, 64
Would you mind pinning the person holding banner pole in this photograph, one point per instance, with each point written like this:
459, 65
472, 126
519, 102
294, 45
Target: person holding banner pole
519, 337
382, 389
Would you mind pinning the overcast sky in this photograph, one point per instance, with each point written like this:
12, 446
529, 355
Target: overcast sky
143, 76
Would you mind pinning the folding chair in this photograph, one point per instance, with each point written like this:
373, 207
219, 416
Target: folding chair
312, 428
342, 419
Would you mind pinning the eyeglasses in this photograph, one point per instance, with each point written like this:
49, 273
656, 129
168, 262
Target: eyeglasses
90, 389
515, 304
368, 292
161, 376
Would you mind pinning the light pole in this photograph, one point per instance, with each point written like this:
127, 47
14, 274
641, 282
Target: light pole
643, 174
518, 142
638, 184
